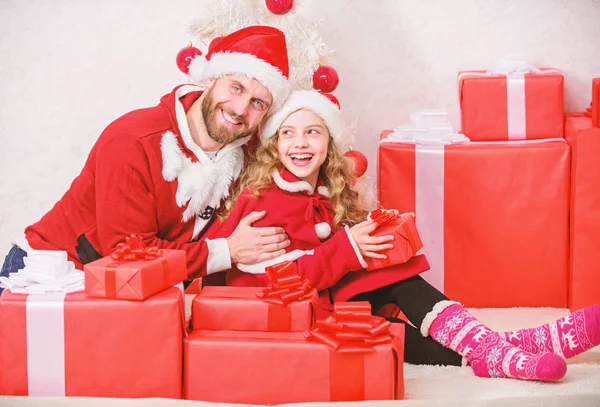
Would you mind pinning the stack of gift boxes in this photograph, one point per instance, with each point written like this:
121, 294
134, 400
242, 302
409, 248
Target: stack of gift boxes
509, 215
125, 336
263, 346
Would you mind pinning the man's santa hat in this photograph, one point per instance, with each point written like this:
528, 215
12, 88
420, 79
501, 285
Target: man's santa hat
313, 101
257, 52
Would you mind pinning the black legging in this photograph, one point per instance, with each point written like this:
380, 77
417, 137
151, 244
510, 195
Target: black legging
415, 297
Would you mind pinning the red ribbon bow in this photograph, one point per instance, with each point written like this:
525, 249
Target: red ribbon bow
351, 329
286, 286
382, 216
318, 203
133, 249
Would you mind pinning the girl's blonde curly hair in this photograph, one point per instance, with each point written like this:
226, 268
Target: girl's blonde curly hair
336, 171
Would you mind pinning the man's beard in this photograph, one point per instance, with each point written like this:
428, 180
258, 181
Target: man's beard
220, 133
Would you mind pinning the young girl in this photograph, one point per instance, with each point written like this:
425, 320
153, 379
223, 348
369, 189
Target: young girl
303, 182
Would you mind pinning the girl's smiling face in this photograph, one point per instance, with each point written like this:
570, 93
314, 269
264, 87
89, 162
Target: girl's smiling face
302, 144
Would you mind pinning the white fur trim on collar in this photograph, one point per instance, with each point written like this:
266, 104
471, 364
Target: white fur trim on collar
199, 184
228, 63
296, 186
306, 100
259, 268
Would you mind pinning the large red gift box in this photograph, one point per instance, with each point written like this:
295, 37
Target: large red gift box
584, 282
135, 279
239, 309
497, 107
407, 241
284, 367
57, 345
493, 217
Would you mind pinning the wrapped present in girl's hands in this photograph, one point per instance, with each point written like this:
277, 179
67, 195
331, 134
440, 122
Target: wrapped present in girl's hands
407, 241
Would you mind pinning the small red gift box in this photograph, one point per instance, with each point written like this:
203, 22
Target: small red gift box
362, 360
134, 272
72, 345
407, 241
584, 274
286, 306
501, 107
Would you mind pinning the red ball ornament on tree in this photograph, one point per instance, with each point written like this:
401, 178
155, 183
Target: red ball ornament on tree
279, 7
325, 79
360, 162
185, 56
332, 98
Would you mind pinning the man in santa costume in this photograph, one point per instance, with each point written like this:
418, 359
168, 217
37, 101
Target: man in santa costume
162, 172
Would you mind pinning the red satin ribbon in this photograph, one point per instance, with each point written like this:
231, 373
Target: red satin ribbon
381, 216
351, 329
286, 286
134, 249
320, 204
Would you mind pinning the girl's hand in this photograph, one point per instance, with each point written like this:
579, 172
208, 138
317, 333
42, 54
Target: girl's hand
370, 245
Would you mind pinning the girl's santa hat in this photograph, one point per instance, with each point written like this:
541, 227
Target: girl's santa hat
257, 52
313, 101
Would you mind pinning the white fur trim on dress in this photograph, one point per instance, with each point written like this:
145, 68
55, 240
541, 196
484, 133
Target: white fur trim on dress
433, 314
228, 63
359, 256
307, 100
323, 190
295, 186
259, 268
323, 230
219, 258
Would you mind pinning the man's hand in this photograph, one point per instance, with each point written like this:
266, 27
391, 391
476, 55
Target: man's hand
370, 245
249, 245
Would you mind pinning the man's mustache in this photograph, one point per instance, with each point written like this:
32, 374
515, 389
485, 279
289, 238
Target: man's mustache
236, 117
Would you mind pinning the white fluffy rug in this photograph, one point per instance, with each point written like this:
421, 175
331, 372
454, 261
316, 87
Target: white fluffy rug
435, 385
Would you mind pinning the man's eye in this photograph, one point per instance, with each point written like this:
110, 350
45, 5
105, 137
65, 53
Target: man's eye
235, 88
259, 105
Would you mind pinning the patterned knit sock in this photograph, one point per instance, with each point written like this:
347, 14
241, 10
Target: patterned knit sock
567, 337
490, 356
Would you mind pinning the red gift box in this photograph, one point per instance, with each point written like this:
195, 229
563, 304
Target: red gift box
497, 107
136, 277
407, 241
584, 281
239, 309
57, 345
285, 367
493, 217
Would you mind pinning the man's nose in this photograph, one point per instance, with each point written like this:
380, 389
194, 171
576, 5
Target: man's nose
241, 105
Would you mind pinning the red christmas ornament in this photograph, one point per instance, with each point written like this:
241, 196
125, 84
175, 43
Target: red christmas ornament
185, 56
360, 162
325, 79
332, 98
279, 7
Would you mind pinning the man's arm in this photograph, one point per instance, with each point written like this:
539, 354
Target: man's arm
126, 203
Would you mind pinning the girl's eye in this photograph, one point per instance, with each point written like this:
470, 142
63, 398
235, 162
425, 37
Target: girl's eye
313, 131
286, 133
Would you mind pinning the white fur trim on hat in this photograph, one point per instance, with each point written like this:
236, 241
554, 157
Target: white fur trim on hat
306, 100
229, 63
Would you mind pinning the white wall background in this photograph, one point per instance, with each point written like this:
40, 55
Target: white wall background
68, 68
